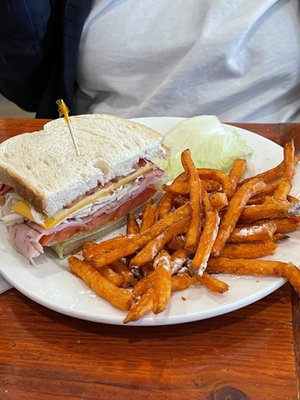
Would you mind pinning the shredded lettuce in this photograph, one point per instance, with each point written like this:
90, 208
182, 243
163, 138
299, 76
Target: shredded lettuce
212, 144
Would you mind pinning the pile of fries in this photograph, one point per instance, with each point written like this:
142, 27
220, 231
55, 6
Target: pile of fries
207, 222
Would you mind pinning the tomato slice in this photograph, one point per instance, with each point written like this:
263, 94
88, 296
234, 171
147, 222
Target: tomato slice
122, 210
59, 236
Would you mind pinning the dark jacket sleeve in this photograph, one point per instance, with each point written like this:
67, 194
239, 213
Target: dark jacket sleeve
30, 33
39, 42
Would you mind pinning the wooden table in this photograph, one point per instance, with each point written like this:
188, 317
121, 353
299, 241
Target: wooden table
251, 353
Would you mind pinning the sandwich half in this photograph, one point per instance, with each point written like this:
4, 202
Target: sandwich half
53, 197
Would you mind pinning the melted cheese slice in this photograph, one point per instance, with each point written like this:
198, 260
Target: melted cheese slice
24, 209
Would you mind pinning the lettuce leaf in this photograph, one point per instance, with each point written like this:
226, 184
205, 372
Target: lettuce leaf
212, 144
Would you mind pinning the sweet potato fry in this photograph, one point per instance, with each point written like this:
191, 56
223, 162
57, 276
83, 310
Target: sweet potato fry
143, 285
237, 171
218, 200
253, 233
178, 282
279, 237
132, 243
117, 297
283, 225
291, 273
178, 259
271, 188
282, 172
212, 283
217, 176
126, 247
165, 205
268, 210
149, 216
154, 246
140, 308
265, 194
243, 266
256, 268
162, 285
193, 233
249, 250
177, 187
87, 247
177, 242
181, 282
234, 210
259, 199
132, 227
206, 202
124, 272
106, 246
159, 226
286, 225
112, 276
211, 186
182, 187
292, 199
267, 176
289, 161
282, 191
206, 242
180, 200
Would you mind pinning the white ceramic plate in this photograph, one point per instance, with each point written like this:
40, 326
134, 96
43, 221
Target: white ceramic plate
51, 284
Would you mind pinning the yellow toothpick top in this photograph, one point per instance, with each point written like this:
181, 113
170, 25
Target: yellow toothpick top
63, 111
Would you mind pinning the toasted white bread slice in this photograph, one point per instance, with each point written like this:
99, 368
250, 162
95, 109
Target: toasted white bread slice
44, 169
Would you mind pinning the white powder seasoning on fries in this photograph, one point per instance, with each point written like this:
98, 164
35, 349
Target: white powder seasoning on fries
223, 237
163, 261
250, 230
203, 265
177, 265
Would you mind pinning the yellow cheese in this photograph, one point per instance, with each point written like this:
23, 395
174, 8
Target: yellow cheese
24, 209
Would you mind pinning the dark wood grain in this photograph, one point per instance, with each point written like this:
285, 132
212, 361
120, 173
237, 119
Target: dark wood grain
246, 354
269, 131
14, 126
288, 132
249, 350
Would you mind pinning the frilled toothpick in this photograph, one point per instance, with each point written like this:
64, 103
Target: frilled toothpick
64, 112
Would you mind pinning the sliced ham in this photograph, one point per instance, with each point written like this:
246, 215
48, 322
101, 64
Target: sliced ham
26, 240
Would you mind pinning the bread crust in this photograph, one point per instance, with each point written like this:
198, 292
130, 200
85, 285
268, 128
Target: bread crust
23, 188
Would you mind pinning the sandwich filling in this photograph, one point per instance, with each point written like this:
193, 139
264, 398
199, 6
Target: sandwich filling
30, 230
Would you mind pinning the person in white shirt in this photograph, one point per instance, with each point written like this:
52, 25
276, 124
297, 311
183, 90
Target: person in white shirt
235, 59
